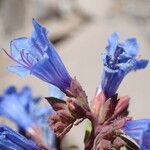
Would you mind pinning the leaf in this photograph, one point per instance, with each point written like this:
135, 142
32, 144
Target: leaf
56, 103
123, 148
88, 130
54, 100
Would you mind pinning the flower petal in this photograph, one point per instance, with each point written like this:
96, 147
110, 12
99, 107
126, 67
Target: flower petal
17, 45
131, 47
145, 143
11, 140
141, 64
136, 128
39, 34
21, 71
49, 71
28, 46
113, 42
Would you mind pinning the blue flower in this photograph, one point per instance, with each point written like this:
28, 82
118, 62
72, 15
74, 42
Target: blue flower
139, 130
11, 107
26, 99
36, 55
119, 59
10, 140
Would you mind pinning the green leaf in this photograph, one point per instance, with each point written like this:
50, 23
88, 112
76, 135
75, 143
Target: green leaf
88, 129
123, 148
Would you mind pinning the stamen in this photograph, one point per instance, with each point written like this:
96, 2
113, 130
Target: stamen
14, 59
25, 59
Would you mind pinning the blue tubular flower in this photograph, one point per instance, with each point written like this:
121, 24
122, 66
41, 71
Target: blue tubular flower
10, 140
36, 55
139, 130
11, 107
119, 60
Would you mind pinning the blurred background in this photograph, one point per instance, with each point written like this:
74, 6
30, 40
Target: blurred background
79, 29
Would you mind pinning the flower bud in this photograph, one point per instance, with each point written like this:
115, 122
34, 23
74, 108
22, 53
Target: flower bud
118, 143
75, 109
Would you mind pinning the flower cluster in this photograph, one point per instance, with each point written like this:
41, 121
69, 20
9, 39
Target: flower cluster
110, 127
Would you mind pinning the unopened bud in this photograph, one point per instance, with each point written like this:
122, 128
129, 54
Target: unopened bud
59, 126
104, 145
118, 143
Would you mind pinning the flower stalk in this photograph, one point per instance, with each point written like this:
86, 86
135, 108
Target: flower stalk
108, 113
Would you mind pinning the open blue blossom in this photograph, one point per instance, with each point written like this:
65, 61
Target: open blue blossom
139, 130
119, 59
11, 107
36, 55
10, 140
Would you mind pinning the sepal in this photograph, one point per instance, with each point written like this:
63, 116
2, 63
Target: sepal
57, 104
77, 92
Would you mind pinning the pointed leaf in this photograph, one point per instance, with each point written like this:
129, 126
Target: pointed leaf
56, 103
54, 100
